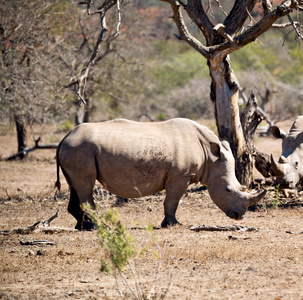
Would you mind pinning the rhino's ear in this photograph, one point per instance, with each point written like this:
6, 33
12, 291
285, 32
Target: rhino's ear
277, 132
226, 145
215, 149
300, 137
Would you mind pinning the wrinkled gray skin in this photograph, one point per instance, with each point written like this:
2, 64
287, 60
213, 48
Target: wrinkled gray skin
289, 167
133, 159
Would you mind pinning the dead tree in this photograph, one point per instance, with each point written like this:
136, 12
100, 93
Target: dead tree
21, 154
21, 134
221, 39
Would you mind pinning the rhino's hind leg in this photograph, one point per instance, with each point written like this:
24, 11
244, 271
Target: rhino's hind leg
174, 191
83, 220
86, 200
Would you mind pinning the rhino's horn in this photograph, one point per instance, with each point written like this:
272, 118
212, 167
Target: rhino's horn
255, 198
276, 167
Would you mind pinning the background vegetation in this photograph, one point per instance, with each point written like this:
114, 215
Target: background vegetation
146, 71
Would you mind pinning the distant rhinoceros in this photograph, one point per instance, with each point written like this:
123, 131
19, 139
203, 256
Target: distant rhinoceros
135, 159
289, 168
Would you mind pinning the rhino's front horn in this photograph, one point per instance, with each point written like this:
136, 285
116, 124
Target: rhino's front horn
283, 160
276, 167
255, 198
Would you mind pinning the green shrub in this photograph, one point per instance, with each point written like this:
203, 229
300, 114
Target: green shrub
117, 244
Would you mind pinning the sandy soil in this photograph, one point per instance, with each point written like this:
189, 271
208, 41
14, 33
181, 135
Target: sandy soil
262, 264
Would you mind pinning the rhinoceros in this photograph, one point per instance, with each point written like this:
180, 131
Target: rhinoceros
135, 159
289, 167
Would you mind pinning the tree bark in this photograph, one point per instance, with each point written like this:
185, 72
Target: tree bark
82, 114
225, 94
21, 134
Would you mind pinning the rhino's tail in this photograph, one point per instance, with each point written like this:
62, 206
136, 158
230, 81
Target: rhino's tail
58, 183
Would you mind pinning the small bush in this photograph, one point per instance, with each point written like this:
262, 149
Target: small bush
117, 244
118, 247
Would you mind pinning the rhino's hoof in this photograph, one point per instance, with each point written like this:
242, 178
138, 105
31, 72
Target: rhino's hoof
85, 225
165, 223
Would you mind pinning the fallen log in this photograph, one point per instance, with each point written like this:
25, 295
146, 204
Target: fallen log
20, 230
39, 229
223, 228
24, 152
37, 242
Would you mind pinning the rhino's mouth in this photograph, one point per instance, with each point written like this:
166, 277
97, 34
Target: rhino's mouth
235, 215
284, 184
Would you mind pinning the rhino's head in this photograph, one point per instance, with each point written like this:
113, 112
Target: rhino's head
289, 167
224, 188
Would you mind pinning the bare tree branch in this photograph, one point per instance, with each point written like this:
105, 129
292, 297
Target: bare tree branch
284, 25
221, 8
183, 30
47, 222
267, 7
264, 24
196, 12
102, 10
295, 27
238, 15
119, 19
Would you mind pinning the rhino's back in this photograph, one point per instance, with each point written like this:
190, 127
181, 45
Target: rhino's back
137, 139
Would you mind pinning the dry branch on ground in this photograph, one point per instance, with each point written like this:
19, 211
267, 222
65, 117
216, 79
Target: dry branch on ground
223, 228
24, 152
35, 228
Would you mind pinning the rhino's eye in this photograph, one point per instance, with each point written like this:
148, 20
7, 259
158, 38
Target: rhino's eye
296, 164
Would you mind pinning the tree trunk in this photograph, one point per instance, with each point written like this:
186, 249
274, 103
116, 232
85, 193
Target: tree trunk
21, 134
225, 94
82, 113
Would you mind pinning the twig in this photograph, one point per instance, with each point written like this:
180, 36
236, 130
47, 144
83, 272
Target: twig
47, 222
267, 7
294, 26
157, 273
8, 196
168, 285
209, 9
284, 25
119, 20
221, 8
126, 284
293, 232
233, 237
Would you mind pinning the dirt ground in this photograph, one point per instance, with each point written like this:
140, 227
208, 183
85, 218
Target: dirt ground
263, 264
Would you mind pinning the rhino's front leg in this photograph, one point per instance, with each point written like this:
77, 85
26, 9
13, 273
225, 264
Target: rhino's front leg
175, 189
